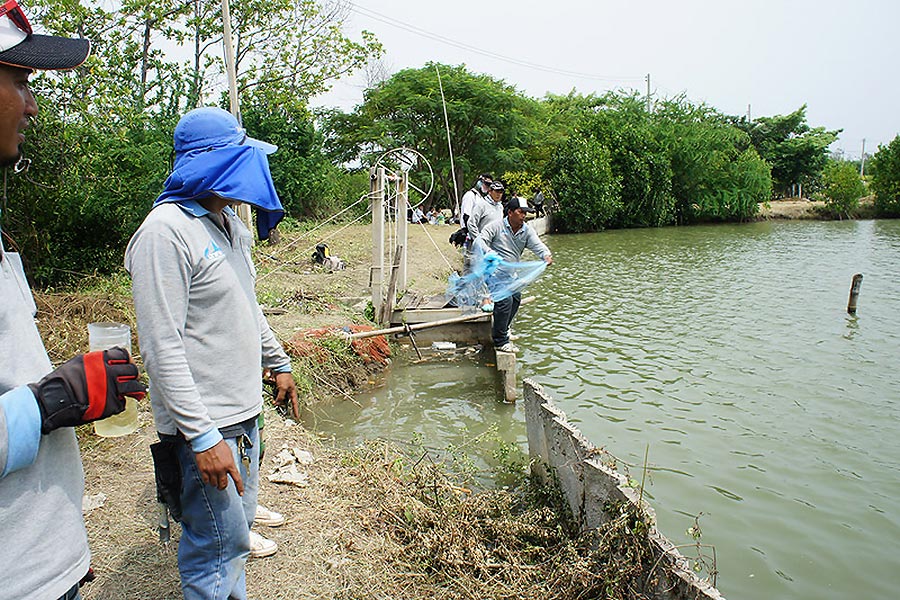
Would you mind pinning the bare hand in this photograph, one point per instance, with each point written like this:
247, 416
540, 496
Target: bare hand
216, 464
286, 391
548, 259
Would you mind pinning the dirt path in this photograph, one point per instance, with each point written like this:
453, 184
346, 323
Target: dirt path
330, 546
790, 208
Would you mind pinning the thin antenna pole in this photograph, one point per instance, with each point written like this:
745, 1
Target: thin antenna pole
449, 143
648, 92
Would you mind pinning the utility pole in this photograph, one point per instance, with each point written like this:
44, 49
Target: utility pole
230, 67
243, 210
862, 160
749, 118
648, 93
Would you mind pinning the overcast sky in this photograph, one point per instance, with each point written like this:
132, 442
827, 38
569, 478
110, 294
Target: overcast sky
838, 57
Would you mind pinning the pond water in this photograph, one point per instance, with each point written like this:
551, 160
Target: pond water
726, 352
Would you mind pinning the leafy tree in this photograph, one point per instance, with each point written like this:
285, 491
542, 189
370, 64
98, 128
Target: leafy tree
842, 188
796, 152
487, 119
716, 173
886, 178
588, 193
297, 47
309, 185
554, 120
102, 145
680, 164
638, 160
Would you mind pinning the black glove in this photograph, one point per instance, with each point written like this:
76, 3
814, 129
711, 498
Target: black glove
87, 388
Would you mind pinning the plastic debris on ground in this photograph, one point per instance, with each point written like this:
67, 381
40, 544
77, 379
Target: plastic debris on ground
287, 463
443, 346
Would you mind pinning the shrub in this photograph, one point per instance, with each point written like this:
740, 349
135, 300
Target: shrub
886, 179
586, 189
637, 160
842, 189
716, 174
88, 189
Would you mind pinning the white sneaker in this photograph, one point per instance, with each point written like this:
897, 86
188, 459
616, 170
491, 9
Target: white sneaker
261, 547
267, 517
508, 347
513, 337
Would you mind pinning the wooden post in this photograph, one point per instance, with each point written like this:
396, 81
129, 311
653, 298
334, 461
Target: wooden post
506, 364
387, 310
377, 193
402, 229
854, 293
243, 210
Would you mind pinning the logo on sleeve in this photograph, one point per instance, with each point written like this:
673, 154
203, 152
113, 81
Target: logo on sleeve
213, 252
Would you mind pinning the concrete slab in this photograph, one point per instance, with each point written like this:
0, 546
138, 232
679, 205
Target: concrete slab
587, 478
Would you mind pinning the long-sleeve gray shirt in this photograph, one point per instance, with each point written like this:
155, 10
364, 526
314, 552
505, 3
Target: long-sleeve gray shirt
202, 334
45, 548
499, 237
484, 211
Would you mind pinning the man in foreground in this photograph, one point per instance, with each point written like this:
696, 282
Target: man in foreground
45, 553
509, 237
205, 341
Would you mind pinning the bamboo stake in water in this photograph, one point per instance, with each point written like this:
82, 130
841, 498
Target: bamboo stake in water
854, 293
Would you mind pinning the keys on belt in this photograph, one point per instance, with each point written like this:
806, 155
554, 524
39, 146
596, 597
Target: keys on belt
244, 444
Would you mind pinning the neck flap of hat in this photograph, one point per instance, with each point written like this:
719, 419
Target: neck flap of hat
236, 173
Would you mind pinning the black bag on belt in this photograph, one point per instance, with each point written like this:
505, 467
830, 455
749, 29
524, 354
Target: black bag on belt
168, 475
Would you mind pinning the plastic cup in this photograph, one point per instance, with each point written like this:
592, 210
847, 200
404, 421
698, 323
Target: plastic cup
102, 336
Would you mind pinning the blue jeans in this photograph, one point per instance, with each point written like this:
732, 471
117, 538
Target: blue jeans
215, 524
504, 312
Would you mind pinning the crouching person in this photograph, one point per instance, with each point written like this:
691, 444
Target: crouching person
205, 341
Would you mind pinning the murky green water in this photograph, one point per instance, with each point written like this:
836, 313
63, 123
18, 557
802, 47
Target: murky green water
727, 350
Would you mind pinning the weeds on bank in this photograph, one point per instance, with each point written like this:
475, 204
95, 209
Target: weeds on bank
704, 559
514, 543
63, 315
327, 365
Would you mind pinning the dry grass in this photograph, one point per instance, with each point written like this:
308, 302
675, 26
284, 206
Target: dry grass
373, 522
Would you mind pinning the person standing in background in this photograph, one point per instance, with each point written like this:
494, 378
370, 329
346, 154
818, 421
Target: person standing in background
487, 210
479, 190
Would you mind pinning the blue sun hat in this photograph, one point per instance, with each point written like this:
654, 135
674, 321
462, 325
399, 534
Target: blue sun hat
209, 128
215, 156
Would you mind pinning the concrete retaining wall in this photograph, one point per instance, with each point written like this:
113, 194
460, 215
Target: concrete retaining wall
540, 225
559, 451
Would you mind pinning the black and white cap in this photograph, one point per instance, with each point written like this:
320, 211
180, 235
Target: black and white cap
519, 202
20, 47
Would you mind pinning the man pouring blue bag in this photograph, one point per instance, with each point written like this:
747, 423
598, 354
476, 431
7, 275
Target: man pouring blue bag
502, 242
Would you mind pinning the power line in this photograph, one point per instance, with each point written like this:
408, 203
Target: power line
366, 12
